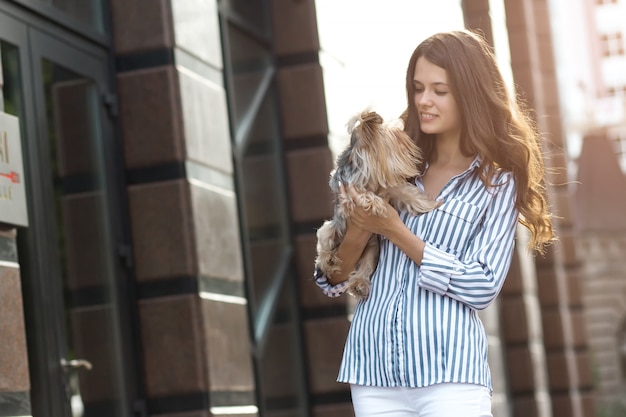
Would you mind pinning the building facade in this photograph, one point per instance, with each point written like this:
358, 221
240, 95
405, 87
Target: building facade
592, 82
176, 162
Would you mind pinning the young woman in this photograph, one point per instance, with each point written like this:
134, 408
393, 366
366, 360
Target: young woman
416, 346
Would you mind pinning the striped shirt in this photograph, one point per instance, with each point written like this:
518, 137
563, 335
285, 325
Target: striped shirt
420, 325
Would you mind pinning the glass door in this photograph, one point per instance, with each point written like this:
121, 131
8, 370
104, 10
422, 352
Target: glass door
71, 274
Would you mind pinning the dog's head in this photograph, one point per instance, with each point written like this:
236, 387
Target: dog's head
379, 154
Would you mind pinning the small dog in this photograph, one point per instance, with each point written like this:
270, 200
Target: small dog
378, 164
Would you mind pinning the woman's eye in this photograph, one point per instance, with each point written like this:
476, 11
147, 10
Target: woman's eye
441, 93
419, 90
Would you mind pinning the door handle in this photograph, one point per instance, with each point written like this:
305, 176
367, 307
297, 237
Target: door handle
76, 364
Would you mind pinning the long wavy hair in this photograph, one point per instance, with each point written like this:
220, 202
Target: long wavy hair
494, 125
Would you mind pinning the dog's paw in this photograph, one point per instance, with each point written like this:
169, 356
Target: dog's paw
359, 288
372, 203
328, 263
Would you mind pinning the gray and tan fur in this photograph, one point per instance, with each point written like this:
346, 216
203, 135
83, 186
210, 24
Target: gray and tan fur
378, 164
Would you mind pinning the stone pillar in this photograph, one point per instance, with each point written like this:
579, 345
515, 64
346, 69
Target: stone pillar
477, 16
602, 226
558, 273
194, 325
309, 162
520, 320
14, 377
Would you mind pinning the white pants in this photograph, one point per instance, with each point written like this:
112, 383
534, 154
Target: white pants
440, 400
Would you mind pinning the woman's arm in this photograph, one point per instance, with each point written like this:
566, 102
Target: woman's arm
477, 277
349, 251
391, 226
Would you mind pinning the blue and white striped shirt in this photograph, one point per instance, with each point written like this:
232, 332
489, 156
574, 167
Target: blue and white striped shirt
420, 325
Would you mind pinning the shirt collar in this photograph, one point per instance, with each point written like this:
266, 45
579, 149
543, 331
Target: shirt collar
472, 166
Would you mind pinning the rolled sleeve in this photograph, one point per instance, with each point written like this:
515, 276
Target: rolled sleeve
476, 274
332, 291
437, 269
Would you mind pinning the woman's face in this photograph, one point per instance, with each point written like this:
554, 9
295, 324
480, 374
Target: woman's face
437, 109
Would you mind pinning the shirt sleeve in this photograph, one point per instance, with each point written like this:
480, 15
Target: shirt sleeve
477, 278
329, 290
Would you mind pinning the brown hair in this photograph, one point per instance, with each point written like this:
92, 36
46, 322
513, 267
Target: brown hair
494, 126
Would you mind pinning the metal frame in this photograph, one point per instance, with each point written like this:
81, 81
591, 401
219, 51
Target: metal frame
90, 55
85, 30
262, 320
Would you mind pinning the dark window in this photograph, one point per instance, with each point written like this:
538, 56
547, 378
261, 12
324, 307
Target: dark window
84, 16
263, 209
612, 44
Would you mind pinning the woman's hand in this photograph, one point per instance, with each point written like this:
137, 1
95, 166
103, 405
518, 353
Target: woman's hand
382, 225
388, 225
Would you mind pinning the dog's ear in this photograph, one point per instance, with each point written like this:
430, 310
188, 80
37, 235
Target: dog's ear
403, 141
366, 117
370, 127
371, 117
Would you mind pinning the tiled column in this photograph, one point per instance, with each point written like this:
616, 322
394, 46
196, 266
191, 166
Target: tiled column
532, 60
602, 224
520, 318
186, 240
476, 16
14, 378
309, 162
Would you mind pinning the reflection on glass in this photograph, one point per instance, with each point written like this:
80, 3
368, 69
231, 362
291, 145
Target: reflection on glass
87, 12
83, 239
264, 201
252, 13
261, 189
12, 81
249, 62
280, 380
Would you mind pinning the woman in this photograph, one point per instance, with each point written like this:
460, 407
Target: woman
416, 346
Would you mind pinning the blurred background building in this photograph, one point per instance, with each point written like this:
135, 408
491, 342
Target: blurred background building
176, 155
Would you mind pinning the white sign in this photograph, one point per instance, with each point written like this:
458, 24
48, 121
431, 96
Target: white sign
13, 208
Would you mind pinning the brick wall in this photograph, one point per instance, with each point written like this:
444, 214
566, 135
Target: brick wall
558, 273
602, 230
604, 290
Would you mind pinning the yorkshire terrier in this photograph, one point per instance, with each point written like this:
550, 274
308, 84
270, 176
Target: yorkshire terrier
378, 164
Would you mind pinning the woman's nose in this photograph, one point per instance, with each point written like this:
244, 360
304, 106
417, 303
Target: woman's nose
425, 99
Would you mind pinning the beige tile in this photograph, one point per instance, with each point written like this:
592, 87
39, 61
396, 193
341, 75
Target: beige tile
163, 230
227, 348
217, 234
324, 343
173, 345
84, 239
14, 375
151, 118
205, 121
137, 28
310, 197
295, 27
303, 105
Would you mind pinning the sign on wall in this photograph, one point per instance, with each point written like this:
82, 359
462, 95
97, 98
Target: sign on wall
13, 208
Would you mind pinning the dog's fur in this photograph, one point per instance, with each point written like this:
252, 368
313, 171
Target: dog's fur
378, 164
